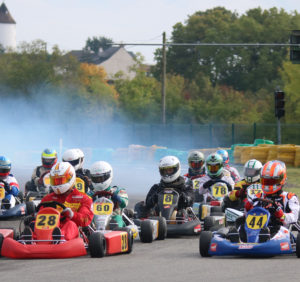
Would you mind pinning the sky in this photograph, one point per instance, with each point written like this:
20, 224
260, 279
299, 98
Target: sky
69, 23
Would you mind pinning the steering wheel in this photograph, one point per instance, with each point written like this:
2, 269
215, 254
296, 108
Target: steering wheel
51, 204
102, 194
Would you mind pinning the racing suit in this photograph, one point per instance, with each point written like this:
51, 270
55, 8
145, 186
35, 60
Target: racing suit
120, 200
85, 175
11, 186
186, 193
82, 207
233, 172
189, 177
206, 181
35, 183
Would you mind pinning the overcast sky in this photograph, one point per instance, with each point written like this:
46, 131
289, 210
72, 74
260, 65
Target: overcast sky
68, 23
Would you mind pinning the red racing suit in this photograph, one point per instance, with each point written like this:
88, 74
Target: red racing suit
82, 207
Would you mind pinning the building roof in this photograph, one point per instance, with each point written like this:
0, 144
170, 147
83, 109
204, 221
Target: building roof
94, 58
5, 16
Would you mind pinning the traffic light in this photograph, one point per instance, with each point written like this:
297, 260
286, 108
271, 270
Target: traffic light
295, 50
279, 104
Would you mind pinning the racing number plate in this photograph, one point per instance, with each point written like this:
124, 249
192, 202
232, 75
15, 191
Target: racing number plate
252, 192
256, 221
196, 184
103, 208
168, 199
2, 192
46, 179
80, 185
219, 191
46, 221
124, 242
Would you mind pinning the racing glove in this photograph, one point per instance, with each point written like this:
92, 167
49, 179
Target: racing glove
248, 205
67, 212
279, 214
116, 198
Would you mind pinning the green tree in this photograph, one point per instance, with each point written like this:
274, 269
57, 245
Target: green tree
95, 43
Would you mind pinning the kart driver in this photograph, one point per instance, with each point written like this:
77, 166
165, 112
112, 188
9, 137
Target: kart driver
78, 211
9, 182
233, 171
285, 209
215, 173
49, 159
101, 177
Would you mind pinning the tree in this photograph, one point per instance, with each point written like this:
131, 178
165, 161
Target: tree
96, 43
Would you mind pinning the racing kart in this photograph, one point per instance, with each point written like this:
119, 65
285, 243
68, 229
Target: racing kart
146, 231
46, 242
210, 211
253, 237
179, 222
19, 209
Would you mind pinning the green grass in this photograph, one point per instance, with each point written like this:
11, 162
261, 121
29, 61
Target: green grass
293, 183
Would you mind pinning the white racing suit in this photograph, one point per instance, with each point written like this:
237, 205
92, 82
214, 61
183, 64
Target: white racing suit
12, 189
233, 172
225, 176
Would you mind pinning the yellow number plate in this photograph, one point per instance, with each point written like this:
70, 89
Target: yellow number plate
2, 193
103, 208
47, 179
46, 221
253, 192
219, 191
196, 184
168, 199
124, 242
80, 185
256, 221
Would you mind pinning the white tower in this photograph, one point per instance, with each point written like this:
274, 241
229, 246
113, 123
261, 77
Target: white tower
7, 28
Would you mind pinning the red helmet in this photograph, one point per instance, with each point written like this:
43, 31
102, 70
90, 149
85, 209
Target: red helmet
273, 177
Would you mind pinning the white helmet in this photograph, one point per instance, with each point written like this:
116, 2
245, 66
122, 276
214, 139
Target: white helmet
252, 170
62, 177
71, 156
101, 175
81, 156
169, 168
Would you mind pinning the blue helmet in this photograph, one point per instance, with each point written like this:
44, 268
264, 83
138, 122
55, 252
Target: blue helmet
5, 166
224, 155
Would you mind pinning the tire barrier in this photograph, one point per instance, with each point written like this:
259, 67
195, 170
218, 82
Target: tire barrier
259, 153
245, 154
286, 153
297, 156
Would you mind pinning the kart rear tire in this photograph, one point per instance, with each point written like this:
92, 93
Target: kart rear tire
216, 209
97, 245
162, 228
204, 243
298, 245
209, 222
30, 208
146, 233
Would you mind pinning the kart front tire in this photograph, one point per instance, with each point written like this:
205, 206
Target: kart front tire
30, 208
204, 243
97, 245
146, 233
209, 222
162, 228
298, 246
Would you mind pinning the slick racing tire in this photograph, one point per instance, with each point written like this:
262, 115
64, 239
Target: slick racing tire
146, 233
204, 243
97, 245
162, 228
1, 242
30, 208
298, 246
209, 222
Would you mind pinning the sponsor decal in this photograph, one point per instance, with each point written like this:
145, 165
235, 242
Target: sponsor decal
245, 247
213, 247
166, 207
22, 210
284, 246
197, 228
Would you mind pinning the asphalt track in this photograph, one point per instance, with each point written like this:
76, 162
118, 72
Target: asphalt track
174, 259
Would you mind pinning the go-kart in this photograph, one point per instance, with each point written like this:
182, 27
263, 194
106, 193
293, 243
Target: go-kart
146, 231
179, 222
44, 242
253, 237
19, 209
210, 212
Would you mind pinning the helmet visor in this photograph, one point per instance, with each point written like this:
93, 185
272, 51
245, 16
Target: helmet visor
213, 168
168, 170
4, 170
270, 181
60, 179
251, 172
100, 178
196, 164
74, 162
48, 162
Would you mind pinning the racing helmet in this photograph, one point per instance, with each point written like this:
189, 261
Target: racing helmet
101, 175
273, 177
214, 165
5, 166
196, 160
252, 170
169, 168
224, 155
81, 156
71, 156
62, 177
49, 158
